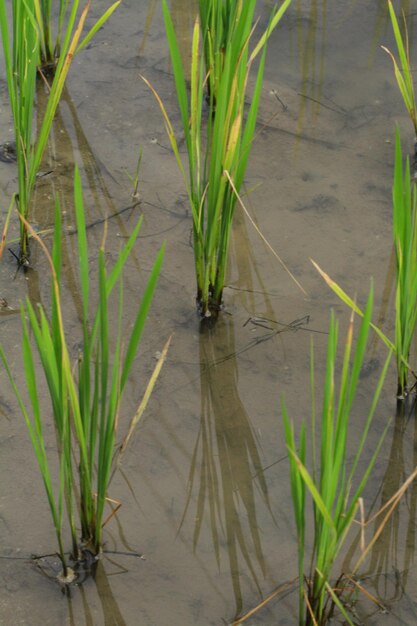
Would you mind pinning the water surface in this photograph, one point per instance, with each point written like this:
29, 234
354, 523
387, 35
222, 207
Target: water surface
204, 485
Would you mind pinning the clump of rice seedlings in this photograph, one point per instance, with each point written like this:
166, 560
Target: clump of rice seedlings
404, 197
333, 483
218, 148
22, 58
50, 38
21, 62
402, 67
85, 397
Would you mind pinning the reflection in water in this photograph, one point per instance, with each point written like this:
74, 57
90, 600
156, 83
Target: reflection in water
243, 259
385, 551
112, 615
226, 468
148, 23
383, 23
89, 621
389, 562
391, 557
56, 181
33, 287
111, 611
386, 304
311, 30
183, 14
311, 41
68, 141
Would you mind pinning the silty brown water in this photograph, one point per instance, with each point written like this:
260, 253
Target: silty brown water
204, 486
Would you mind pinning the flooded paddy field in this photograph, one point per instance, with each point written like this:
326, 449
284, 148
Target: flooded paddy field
206, 531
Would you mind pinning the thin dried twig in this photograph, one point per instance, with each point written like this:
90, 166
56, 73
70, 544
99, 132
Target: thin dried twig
392, 504
366, 593
309, 607
264, 602
266, 242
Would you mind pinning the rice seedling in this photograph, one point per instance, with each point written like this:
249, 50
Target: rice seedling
397, 460
333, 483
404, 197
219, 147
402, 67
22, 57
86, 398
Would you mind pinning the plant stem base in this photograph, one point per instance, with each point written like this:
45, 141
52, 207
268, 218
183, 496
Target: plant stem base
208, 311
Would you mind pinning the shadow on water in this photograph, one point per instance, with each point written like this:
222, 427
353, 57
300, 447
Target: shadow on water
226, 469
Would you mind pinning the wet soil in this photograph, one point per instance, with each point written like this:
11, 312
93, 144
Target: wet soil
204, 486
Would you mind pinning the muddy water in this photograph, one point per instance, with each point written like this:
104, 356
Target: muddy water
204, 486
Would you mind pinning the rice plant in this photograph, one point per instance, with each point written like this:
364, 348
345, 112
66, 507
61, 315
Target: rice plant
22, 57
334, 483
404, 197
402, 67
219, 19
85, 398
218, 148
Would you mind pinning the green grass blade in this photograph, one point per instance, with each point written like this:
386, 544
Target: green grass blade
100, 22
141, 318
82, 241
177, 67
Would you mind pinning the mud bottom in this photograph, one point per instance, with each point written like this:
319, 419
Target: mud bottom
47, 70
85, 566
208, 316
208, 312
407, 394
8, 152
76, 572
23, 259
